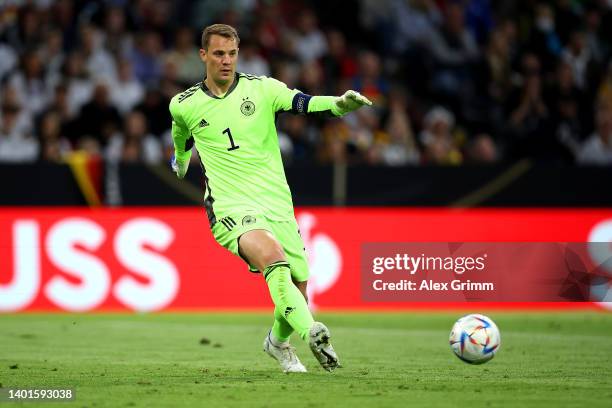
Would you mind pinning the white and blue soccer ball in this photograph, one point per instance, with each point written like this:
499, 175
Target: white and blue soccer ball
475, 339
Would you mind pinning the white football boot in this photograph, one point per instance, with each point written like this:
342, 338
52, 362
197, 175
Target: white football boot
285, 355
321, 348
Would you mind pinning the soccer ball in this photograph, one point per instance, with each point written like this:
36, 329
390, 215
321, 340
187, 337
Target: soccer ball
475, 339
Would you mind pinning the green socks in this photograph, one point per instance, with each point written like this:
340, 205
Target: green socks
281, 329
291, 311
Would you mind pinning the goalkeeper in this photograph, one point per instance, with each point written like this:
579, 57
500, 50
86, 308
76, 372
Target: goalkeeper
230, 118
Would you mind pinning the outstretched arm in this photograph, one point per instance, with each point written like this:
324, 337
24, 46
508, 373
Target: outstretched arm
291, 100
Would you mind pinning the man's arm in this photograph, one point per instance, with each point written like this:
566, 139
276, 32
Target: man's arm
183, 142
285, 99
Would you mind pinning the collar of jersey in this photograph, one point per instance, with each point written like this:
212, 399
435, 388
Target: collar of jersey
229, 91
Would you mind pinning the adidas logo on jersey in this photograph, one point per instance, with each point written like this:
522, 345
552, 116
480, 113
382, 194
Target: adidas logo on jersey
203, 123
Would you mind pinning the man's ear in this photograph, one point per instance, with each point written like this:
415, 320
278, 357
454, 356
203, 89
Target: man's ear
203, 55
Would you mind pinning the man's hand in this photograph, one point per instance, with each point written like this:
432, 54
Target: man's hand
180, 169
350, 101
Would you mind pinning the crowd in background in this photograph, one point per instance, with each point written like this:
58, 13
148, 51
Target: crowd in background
453, 82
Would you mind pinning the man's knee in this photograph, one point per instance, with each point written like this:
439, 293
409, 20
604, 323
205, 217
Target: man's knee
261, 249
271, 254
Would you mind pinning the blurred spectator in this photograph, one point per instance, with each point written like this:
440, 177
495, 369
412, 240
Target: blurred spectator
25, 35
454, 51
370, 80
498, 66
366, 134
99, 118
250, 61
399, 147
135, 144
127, 92
287, 63
59, 103
578, 57
529, 116
185, 55
30, 84
437, 138
594, 44
206, 12
98, 61
544, 40
169, 83
563, 88
493, 81
8, 60
155, 16
310, 43
287, 73
16, 143
155, 108
301, 138
64, 17
605, 89
268, 28
333, 146
510, 32
53, 54
414, 23
564, 101
482, 150
479, 19
11, 98
285, 144
118, 40
567, 17
147, 65
597, 150
78, 84
338, 64
311, 80
53, 145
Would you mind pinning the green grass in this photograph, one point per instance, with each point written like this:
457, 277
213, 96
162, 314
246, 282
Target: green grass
394, 359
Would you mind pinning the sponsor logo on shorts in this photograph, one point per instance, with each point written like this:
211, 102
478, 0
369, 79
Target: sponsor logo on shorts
228, 222
248, 220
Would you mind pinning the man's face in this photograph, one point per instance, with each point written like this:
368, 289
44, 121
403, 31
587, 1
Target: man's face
220, 58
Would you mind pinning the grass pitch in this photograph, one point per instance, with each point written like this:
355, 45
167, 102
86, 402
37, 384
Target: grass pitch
395, 359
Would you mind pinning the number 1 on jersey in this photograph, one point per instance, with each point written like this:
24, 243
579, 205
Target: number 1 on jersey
229, 134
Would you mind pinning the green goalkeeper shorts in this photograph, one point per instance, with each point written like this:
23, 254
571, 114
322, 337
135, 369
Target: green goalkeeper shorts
227, 231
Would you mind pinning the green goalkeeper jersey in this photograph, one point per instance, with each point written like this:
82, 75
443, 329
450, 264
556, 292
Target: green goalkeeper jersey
236, 139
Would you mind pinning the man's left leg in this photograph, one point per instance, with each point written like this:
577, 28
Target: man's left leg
318, 334
281, 329
263, 251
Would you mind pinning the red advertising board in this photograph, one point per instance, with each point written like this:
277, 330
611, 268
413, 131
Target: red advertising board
150, 259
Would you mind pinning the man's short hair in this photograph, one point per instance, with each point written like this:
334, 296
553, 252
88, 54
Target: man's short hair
223, 30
